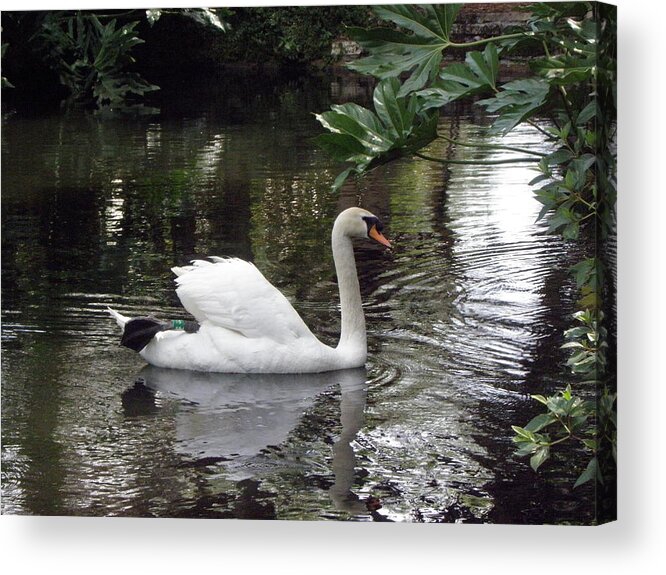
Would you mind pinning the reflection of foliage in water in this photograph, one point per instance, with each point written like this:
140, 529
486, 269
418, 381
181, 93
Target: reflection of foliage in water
138, 205
290, 218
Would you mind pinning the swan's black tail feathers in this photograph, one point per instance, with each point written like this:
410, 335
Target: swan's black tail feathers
139, 331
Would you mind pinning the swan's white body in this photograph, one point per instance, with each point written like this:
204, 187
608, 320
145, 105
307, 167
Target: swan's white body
248, 326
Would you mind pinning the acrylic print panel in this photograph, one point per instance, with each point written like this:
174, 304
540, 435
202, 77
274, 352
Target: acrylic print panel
480, 387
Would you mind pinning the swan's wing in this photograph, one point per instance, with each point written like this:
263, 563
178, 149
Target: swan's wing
234, 294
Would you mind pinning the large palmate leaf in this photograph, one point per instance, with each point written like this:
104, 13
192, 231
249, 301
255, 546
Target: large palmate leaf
566, 70
478, 73
418, 51
367, 139
516, 101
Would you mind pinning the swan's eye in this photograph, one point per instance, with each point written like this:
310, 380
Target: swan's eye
373, 221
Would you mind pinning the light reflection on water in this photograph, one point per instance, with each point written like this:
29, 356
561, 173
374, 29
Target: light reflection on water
462, 315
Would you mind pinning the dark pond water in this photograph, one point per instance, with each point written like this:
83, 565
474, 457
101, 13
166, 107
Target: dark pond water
464, 318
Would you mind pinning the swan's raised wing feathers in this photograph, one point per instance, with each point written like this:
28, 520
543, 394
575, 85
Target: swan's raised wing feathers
233, 294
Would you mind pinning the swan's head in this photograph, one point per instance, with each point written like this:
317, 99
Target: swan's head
360, 223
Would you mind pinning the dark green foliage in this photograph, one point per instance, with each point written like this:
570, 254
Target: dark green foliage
93, 54
288, 34
92, 58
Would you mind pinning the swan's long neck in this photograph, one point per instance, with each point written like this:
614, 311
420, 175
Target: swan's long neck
352, 336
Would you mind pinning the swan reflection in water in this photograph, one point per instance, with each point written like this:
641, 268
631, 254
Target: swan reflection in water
233, 418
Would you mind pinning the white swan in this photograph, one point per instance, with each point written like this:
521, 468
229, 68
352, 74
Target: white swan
247, 326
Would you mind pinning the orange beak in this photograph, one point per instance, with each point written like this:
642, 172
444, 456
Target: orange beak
378, 237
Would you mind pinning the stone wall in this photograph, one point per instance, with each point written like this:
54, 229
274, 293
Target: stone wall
488, 19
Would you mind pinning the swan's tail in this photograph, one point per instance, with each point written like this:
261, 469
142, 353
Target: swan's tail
121, 320
138, 331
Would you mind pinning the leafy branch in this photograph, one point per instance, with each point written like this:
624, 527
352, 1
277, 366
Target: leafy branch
416, 47
398, 127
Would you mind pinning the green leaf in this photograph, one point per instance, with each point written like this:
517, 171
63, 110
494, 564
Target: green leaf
351, 123
572, 344
565, 70
585, 365
606, 403
591, 471
424, 21
516, 101
582, 271
559, 157
575, 359
557, 405
580, 166
523, 434
540, 399
527, 448
418, 51
540, 421
587, 113
460, 80
342, 178
591, 299
571, 231
590, 444
341, 147
391, 110
578, 421
538, 179
484, 65
445, 91
550, 196
576, 332
541, 454
562, 217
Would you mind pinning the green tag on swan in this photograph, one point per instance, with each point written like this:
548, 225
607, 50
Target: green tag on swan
184, 325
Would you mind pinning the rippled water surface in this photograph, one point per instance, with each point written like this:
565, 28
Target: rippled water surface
464, 318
